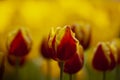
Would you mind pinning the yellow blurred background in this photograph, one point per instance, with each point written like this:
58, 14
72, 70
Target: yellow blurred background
38, 16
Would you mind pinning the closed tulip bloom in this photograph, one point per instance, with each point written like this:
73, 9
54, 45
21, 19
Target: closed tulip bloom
83, 34
104, 58
63, 43
74, 64
19, 43
44, 49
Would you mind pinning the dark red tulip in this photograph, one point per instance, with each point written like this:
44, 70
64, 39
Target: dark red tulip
104, 58
12, 60
63, 43
44, 49
20, 44
83, 34
74, 64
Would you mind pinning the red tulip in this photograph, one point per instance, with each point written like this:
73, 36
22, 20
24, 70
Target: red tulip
63, 43
44, 49
83, 34
104, 58
19, 44
74, 64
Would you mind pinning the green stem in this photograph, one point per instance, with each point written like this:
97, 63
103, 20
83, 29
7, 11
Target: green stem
48, 70
74, 76
104, 75
70, 76
17, 69
61, 70
117, 73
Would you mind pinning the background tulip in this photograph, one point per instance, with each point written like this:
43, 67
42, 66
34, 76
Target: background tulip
19, 43
83, 34
44, 49
103, 58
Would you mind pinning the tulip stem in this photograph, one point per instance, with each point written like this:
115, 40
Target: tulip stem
17, 69
104, 75
49, 70
61, 70
70, 76
117, 73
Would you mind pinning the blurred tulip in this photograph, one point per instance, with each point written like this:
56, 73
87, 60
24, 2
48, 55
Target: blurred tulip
44, 49
104, 58
83, 34
19, 44
63, 42
74, 64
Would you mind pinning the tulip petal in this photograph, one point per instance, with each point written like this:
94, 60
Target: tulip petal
67, 46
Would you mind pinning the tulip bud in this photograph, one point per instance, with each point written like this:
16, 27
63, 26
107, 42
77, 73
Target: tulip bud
12, 60
74, 64
19, 43
104, 58
63, 43
83, 34
44, 49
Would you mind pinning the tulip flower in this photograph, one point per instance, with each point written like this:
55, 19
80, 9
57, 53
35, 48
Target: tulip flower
19, 43
104, 58
63, 43
46, 53
44, 49
18, 46
83, 34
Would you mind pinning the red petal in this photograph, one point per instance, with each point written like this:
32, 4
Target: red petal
73, 65
67, 47
113, 62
